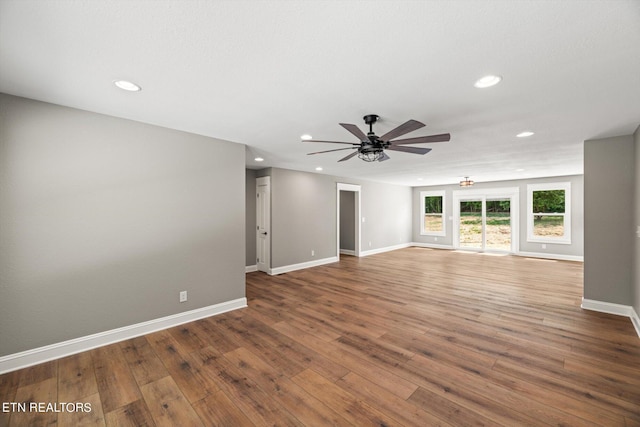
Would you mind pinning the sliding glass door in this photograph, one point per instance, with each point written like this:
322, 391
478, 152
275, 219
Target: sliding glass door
486, 221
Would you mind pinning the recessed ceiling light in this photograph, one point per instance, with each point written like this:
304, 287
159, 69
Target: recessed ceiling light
126, 85
259, 159
487, 81
319, 168
419, 179
306, 137
524, 134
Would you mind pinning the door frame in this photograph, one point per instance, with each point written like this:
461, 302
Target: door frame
264, 266
356, 189
512, 193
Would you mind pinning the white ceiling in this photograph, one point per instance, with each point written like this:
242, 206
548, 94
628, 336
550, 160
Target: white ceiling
262, 73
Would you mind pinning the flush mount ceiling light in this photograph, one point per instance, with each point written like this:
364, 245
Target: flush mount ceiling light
466, 182
259, 159
524, 134
306, 137
127, 85
487, 81
319, 168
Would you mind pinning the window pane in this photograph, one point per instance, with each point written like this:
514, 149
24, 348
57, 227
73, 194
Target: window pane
433, 204
432, 222
548, 201
548, 225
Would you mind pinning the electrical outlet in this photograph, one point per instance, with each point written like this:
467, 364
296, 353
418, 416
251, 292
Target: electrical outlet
369, 244
313, 253
183, 296
435, 239
544, 246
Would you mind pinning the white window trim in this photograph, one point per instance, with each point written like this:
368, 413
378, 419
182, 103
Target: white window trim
440, 193
566, 238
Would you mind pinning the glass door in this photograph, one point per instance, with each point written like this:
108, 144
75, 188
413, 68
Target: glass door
498, 224
470, 225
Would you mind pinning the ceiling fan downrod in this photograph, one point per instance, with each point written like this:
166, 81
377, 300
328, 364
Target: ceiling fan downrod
370, 119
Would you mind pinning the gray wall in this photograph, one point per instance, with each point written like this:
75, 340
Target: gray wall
347, 220
636, 225
250, 203
303, 215
609, 219
103, 221
576, 248
387, 210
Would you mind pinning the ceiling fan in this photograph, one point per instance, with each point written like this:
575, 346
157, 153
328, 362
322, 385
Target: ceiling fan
371, 147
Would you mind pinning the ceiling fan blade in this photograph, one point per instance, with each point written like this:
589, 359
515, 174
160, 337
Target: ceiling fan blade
383, 157
330, 142
355, 130
444, 137
414, 150
348, 157
404, 128
328, 151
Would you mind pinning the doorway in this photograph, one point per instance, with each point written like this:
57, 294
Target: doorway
348, 219
347, 223
486, 220
263, 224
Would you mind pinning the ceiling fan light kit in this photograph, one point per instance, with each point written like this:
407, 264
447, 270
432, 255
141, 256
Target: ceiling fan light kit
371, 155
371, 147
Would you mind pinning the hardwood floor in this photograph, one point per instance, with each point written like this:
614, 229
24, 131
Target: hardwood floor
414, 337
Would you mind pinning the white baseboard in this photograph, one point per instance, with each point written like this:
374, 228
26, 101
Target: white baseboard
431, 245
302, 265
611, 308
635, 319
522, 254
250, 268
35, 356
551, 256
385, 249
347, 252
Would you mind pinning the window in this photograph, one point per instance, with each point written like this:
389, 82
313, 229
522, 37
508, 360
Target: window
432, 213
549, 213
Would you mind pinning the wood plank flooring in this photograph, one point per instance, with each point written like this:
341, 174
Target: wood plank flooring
414, 337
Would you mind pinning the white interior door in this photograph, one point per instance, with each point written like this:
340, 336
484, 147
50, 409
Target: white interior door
263, 223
